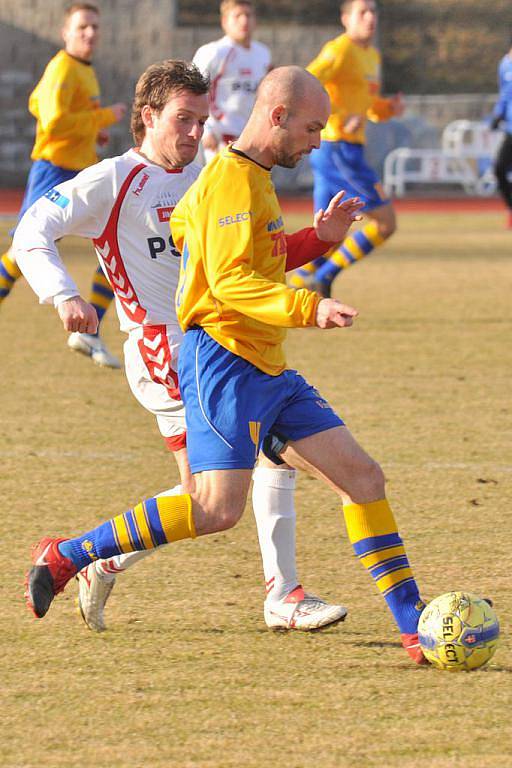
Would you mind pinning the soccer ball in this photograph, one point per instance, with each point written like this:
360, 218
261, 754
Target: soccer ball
458, 631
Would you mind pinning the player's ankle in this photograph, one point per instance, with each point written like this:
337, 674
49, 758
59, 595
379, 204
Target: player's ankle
286, 592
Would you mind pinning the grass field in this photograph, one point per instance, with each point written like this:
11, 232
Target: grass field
187, 675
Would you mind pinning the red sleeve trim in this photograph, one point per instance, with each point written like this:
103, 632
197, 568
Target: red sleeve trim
304, 246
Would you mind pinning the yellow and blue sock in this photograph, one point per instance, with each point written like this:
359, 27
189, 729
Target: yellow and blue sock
9, 273
300, 277
373, 533
101, 294
354, 248
149, 524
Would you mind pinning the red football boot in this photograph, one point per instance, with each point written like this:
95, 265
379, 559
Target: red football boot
412, 645
48, 576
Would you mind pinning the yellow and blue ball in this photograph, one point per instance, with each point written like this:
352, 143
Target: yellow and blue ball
458, 631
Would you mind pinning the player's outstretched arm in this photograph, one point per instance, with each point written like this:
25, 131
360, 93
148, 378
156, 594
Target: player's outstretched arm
331, 313
80, 207
103, 135
118, 109
353, 123
78, 315
334, 223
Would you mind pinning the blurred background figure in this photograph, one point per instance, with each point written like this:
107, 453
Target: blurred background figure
70, 122
502, 118
235, 64
350, 69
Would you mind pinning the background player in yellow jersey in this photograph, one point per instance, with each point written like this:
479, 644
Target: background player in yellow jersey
234, 307
349, 68
70, 122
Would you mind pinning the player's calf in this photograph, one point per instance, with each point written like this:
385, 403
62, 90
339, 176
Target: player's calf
370, 522
152, 523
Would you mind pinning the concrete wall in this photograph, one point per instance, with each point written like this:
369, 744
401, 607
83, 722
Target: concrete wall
444, 46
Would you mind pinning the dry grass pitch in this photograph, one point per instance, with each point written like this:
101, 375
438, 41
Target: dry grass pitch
187, 675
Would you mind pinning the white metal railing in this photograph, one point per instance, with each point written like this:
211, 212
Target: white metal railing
465, 158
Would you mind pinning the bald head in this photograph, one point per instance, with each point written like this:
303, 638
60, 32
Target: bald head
290, 86
290, 110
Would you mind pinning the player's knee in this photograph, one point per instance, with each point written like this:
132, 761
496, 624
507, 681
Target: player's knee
227, 518
367, 477
219, 515
217, 504
388, 226
375, 479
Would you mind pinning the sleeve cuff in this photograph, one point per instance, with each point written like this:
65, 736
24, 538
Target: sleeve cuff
59, 298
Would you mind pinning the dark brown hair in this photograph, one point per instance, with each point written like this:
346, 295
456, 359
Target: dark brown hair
156, 85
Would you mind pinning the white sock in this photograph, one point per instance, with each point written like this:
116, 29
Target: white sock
274, 510
108, 569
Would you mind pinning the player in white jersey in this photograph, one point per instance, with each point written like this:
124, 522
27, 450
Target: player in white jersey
235, 65
124, 204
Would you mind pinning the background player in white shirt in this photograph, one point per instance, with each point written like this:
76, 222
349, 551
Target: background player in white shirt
235, 64
124, 204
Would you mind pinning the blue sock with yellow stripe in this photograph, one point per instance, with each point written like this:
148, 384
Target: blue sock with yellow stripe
150, 524
374, 536
101, 294
9, 273
353, 248
299, 277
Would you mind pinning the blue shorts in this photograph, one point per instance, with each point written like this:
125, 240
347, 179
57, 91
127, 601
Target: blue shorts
230, 405
42, 176
341, 165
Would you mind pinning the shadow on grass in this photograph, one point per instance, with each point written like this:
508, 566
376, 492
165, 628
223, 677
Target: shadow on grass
378, 644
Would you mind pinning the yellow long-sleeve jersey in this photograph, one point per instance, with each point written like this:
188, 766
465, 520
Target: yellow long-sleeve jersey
229, 229
350, 73
66, 105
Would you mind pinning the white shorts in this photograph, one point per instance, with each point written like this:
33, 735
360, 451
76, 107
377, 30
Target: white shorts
151, 361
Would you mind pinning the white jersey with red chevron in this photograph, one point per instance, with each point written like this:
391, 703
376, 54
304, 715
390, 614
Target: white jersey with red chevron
235, 73
123, 204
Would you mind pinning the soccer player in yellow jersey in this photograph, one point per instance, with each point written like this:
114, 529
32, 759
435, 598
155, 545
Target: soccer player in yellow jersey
70, 122
234, 307
349, 68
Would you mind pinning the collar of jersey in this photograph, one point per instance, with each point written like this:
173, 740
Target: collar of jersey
81, 61
246, 157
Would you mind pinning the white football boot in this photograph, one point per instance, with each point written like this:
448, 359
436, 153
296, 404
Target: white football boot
93, 593
302, 611
93, 347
